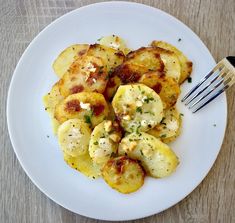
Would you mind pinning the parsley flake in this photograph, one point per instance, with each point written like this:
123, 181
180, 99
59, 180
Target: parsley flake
139, 109
87, 119
189, 80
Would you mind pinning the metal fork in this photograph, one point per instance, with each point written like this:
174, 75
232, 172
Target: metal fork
219, 79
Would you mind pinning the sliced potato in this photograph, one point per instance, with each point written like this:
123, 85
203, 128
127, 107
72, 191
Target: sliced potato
74, 136
186, 65
83, 164
111, 57
123, 174
169, 128
50, 101
156, 157
147, 55
129, 72
104, 141
111, 87
114, 42
67, 57
88, 73
138, 107
167, 87
139, 62
89, 106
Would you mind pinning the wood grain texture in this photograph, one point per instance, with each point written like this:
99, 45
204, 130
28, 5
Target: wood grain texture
21, 201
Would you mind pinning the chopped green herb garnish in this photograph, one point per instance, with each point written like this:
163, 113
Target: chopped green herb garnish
189, 80
139, 109
113, 154
139, 87
96, 143
148, 99
163, 136
99, 39
87, 119
141, 152
181, 114
142, 92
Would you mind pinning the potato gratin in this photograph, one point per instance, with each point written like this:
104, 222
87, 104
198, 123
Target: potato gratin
114, 112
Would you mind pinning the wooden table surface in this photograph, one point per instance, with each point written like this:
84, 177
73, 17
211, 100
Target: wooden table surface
20, 201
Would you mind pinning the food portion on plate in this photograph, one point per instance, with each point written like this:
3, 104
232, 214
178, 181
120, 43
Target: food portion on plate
114, 110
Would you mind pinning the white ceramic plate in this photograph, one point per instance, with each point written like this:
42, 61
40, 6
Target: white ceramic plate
29, 124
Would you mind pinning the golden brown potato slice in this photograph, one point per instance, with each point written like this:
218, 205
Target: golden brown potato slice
74, 136
129, 72
186, 65
111, 87
83, 164
104, 141
169, 59
114, 42
138, 107
67, 57
139, 62
123, 174
156, 157
111, 57
169, 128
167, 87
50, 101
88, 106
88, 73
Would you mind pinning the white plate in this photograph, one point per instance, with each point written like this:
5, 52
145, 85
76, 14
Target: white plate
29, 125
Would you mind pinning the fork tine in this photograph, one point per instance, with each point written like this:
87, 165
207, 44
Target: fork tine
221, 74
226, 80
229, 82
201, 82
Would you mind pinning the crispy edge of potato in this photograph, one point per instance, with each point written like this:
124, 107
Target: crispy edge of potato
186, 64
120, 181
111, 87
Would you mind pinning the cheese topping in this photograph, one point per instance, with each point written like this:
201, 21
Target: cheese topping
139, 103
105, 148
172, 125
147, 152
127, 117
74, 135
85, 106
